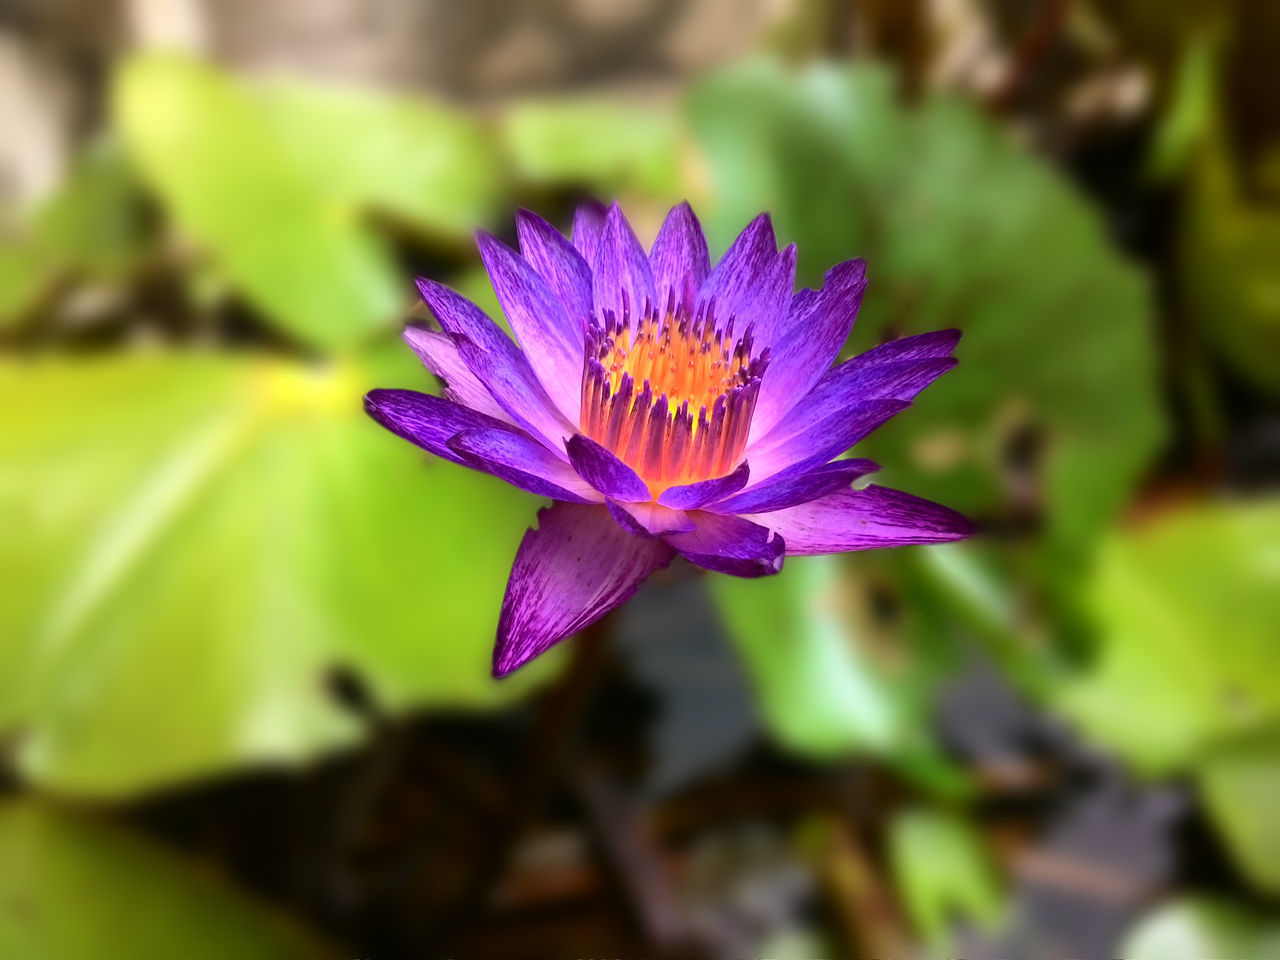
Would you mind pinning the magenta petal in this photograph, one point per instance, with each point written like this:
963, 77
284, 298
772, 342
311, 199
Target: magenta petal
775, 494
623, 279
604, 471
863, 520
559, 264
497, 363
588, 225
571, 570
428, 421
691, 496
826, 439
552, 342
731, 545
439, 354
522, 462
807, 340
649, 519
679, 257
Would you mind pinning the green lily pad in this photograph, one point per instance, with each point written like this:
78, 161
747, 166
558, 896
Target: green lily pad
1187, 608
1240, 781
193, 543
822, 691
610, 144
90, 228
74, 886
943, 873
960, 227
229, 179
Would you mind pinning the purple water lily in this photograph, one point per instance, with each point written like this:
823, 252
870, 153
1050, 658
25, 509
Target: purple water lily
668, 408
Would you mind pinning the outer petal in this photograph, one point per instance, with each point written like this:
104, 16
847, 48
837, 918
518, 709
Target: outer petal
559, 264
588, 224
623, 279
826, 439
691, 496
439, 354
752, 282
807, 340
571, 570
679, 257
552, 342
775, 494
497, 363
864, 519
731, 545
522, 462
600, 468
428, 421
898, 370
650, 519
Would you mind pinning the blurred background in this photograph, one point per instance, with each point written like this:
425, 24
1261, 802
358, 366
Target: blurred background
245, 707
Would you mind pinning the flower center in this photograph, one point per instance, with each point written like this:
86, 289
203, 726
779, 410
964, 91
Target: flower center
671, 395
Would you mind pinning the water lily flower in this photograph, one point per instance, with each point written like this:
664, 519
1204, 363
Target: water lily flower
667, 407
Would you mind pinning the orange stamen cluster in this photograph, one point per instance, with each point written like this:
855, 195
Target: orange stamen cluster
672, 394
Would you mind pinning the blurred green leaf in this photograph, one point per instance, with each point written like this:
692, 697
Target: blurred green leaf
72, 886
431, 167
228, 174
609, 145
821, 693
90, 228
961, 227
203, 539
818, 691
1240, 782
1194, 929
1190, 115
1228, 248
1187, 608
943, 873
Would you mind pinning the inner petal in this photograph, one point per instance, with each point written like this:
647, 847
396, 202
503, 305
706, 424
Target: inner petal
671, 393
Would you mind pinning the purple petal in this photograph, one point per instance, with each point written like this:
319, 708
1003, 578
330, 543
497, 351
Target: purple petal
623, 279
775, 494
559, 264
679, 257
649, 519
571, 570
807, 340
922, 346
898, 370
522, 462
821, 442
551, 341
691, 496
439, 354
752, 282
604, 471
731, 545
497, 363
588, 224
863, 520
428, 421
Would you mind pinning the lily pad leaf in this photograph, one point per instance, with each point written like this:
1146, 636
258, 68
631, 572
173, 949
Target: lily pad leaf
207, 146
1186, 607
961, 227
70, 884
194, 544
